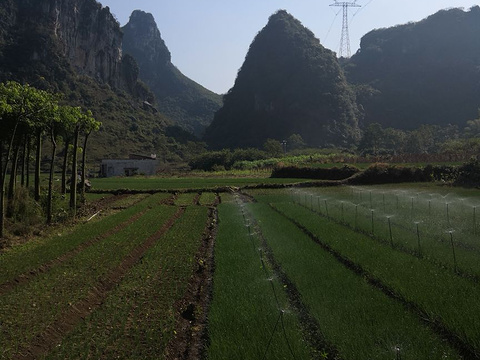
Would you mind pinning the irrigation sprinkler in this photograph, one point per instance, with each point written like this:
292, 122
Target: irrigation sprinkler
448, 213
418, 238
398, 356
326, 207
356, 216
453, 251
412, 208
474, 221
373, 223
390, 230
343, 218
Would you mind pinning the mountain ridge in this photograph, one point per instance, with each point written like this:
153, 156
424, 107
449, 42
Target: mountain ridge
187, 103
425, 72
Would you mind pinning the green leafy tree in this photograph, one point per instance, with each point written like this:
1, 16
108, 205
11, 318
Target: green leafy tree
295, 142
472, 130
89, 125
273, 147
372, 139
22, 107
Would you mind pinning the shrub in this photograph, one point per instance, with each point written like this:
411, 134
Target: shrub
386, 173
469, 174
334, 173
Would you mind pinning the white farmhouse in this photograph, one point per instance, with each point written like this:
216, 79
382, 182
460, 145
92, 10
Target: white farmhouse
134, 165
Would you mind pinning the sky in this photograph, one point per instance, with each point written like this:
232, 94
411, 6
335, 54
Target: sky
209, 39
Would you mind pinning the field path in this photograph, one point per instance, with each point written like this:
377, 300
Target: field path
68, 320
189, 343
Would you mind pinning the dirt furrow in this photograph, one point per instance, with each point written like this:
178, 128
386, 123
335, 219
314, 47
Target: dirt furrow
66, 322
310, 326
26, 277
190, 340
196, 199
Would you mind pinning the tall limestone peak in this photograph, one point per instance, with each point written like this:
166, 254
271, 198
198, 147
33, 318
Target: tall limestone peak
187, 103
288, 84
143, 41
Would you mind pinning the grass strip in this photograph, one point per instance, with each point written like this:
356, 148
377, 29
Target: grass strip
138, 319
443, 298
244, 311
208, 199
30, 308
31, 256
361, 321
186, 199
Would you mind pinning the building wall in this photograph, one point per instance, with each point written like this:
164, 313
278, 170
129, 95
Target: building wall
111, 168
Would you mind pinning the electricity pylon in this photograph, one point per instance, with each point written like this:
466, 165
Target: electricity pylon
345, 39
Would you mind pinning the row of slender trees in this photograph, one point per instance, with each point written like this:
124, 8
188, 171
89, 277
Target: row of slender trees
28, 116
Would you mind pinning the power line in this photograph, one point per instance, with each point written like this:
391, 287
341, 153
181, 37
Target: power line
331, 26
363, 8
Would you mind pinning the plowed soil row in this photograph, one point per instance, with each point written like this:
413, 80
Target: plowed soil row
68, 320
191, 318
196, 199
26, 277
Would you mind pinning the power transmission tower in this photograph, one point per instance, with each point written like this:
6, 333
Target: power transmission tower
345, 39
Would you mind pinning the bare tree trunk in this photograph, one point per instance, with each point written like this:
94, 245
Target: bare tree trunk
13, 182
50, 179
2, 192
84, 158
3, 175
64, 167
24, 156
29, 148
37, 165
73, 182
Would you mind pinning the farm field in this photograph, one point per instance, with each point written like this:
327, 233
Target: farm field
371, 272
436, 283
112, 287
181, 183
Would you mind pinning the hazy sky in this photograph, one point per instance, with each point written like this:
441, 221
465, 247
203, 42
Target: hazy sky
209, 39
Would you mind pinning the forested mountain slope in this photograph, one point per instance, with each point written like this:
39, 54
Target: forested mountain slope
426, 72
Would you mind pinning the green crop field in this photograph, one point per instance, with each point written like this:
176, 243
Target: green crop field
371, 272
159, 183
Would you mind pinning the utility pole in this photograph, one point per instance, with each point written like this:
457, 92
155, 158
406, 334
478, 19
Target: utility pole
345, 39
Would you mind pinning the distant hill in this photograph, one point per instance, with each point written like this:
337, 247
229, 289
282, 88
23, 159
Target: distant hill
426, 72
187, 103
288, 84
